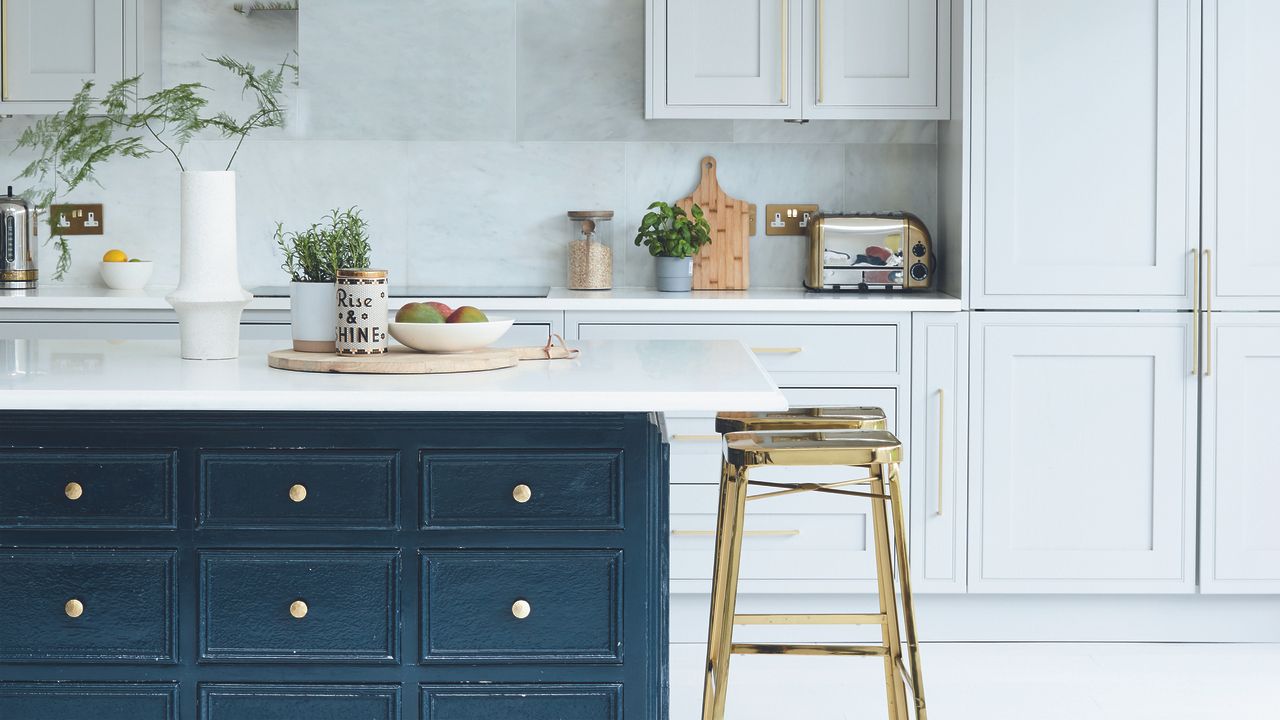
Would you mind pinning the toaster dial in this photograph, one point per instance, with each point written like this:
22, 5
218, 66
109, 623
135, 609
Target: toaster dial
919, 272
918, 250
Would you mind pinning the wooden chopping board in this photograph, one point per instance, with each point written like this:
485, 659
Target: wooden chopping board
724, 264
400, 360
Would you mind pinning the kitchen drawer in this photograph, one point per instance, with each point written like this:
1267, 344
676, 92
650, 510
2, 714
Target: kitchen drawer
85, 701
543, 701
574, 603
86, 488
349, 606
256, 489
123, 602
695, 446
579, 489
296, 702
781, 348
805, 536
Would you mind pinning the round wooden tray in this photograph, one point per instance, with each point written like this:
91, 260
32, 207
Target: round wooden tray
400, 360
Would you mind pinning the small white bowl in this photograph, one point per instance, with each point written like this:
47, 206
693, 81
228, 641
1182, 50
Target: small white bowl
449, 337
126, 275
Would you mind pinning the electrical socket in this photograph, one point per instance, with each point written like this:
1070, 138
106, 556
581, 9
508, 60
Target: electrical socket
788, 219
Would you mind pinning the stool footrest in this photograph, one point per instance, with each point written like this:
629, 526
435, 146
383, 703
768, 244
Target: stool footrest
788, 649
810, 619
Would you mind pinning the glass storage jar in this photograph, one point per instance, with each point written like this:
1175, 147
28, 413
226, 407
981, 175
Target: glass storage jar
590, 250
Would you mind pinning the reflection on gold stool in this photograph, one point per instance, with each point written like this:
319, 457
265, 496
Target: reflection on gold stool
878, 451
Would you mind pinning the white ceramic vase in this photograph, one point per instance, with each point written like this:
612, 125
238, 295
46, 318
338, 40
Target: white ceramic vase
209, 298
313, 308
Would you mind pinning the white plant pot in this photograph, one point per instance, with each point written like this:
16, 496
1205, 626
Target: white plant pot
209, 298
313, 308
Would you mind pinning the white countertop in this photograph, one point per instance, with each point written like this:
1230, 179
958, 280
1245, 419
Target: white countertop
53, 296
609, 376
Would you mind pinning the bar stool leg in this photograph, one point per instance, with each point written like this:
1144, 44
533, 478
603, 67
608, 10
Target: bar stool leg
719, 578
737, 502
895, 689
904, 579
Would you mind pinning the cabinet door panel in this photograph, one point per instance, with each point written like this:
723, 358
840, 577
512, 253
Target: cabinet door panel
1085, 153
1083, 444
873, 54
53, 46
1241, 152
1240, 539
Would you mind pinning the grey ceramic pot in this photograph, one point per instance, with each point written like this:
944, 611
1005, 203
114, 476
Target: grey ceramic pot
674, 274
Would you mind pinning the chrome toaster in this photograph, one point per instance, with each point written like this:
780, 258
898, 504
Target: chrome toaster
850, 252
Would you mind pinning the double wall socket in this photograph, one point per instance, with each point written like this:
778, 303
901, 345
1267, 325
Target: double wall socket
791, 219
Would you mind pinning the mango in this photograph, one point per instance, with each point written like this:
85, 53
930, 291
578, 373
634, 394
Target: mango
418, 313
466, 314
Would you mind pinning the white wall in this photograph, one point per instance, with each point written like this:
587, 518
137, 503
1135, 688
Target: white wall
465, 130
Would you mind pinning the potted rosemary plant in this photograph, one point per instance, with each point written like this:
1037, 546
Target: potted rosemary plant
312, 257
673, 238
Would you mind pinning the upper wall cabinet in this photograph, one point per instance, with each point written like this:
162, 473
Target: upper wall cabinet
1085, 153
798, 59
48, 50
1241, 152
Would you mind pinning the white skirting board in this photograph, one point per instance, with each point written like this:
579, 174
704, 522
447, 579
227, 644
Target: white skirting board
1006, 618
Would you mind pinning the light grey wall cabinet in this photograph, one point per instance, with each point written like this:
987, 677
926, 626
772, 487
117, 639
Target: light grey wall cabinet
798, 59
50, 48
1083, 453
1085, 165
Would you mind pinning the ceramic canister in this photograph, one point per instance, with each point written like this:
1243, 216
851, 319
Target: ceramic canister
362, 311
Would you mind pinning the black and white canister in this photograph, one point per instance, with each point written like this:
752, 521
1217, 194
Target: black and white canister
362, 311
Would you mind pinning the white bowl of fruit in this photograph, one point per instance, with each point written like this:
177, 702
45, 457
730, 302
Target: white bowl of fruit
120, 272
437, 328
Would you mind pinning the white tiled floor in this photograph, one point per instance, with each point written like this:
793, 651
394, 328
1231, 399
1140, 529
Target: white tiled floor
1003, 682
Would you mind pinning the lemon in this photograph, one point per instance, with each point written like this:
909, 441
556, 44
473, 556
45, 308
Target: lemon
115, 256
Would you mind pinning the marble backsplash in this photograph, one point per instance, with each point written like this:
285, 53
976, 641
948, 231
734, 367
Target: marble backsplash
465, 131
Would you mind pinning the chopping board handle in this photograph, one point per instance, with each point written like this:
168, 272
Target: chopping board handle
709, 180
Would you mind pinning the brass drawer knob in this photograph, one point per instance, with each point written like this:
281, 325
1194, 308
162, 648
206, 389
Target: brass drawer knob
298, 493
74, 608
522, 493
521, 609
298, 609
73, 491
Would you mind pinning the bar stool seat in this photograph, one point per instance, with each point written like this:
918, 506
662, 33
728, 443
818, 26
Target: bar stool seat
813, 448
804, 418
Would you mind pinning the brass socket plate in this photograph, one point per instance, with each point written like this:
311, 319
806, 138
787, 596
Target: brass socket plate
788, 218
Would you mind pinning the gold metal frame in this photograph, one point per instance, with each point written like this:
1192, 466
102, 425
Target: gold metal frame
875, 450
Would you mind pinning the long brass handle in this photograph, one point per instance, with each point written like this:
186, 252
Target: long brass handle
298, 609
745, 533
4, 50
74, 608
782, 97
941, 445
1208, 314
298, 493
694, 438
73, 491
521, 609
822, 75
1195, 313
777, 350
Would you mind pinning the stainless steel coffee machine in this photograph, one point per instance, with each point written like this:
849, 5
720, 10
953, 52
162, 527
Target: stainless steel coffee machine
18, 246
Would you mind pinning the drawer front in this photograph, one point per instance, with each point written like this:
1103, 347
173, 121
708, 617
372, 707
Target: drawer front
295, 702
527, 702
574, 603
55, 488
522, 489
258, 489
82, 701
349, 606
123, 602
781, 348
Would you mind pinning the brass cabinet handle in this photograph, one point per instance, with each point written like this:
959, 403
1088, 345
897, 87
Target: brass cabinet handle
298, 493
1208, 313
74, 608
73, 491
822, 75
1195, 314
521, 609
776, 350
521, 493
298, 609
745, 533
941, 446
694, 438
782, 97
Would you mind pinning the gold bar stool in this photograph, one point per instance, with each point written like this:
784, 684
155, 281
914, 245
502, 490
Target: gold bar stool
756, 440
